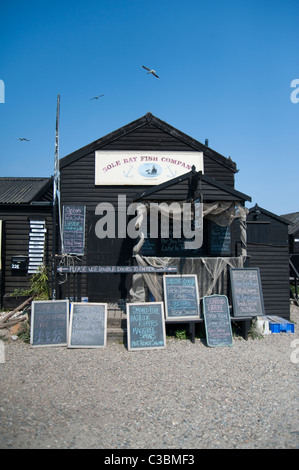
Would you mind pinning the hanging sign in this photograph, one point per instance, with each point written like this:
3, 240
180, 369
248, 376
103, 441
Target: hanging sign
142, 167
37, 238
116, 269
73, 229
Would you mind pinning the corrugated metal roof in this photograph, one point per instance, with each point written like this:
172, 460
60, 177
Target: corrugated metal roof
20, 190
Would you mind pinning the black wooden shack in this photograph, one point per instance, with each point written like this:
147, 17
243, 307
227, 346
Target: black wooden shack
25, 230
143, 164
293, 219
87, 180
268, 249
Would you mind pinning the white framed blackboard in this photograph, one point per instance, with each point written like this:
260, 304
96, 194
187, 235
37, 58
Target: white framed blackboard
49, 323
145, 326
88, 325
247, 294
217, 320
181, 297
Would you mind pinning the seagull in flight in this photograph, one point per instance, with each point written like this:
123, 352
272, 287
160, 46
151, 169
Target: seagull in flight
96, 97
150, 71
23, 138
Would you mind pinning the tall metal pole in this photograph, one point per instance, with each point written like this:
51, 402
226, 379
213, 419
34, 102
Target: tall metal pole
55, 189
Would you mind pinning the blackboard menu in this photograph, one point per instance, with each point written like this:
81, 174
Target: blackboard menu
49, 323
220, 239
145, 326
247, 295
88, 325
175, 247
217, 321
73, 229
181, 297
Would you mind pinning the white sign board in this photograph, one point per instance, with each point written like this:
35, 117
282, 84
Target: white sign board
140, 167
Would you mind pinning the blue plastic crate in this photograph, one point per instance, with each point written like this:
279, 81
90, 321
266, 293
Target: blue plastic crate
279, 325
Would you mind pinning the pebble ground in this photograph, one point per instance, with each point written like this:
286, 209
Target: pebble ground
188, 396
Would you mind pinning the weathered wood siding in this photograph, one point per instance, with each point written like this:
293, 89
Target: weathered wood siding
273, 261
268, 249
78, 187
16, 229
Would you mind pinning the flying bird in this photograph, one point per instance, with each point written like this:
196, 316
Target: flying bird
23, 138
96, 97
153, 72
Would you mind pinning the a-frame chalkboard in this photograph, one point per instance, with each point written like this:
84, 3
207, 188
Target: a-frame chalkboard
217, 320
247, 294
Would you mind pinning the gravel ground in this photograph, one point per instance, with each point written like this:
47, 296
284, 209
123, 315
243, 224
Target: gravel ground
188, 396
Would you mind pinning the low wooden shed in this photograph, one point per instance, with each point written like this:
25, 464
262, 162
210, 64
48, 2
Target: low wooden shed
268, 249
25, 230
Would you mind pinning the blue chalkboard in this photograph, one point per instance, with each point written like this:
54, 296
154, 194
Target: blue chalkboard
145, 326
247, 293
181, 297
217, 320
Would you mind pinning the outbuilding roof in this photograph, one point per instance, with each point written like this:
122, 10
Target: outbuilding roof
207, 185
293, 218
257, 209
22, 190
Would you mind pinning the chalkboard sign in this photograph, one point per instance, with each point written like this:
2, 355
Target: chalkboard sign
172, 246
49, 323
73, 229
181, 297
217, 320
247, 292
146, 326
220, 239
88, 325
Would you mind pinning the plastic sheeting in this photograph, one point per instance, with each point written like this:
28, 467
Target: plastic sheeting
211, 272
221, 212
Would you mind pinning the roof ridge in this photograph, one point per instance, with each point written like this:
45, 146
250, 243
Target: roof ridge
140, 122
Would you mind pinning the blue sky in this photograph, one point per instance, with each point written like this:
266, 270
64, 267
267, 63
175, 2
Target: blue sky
225, 71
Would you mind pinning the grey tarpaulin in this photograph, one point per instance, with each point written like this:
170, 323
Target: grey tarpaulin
211, 272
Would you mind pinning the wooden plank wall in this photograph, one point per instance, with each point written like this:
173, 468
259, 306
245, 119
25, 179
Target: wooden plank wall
268, 249
273, 261
16, 240
78, 187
